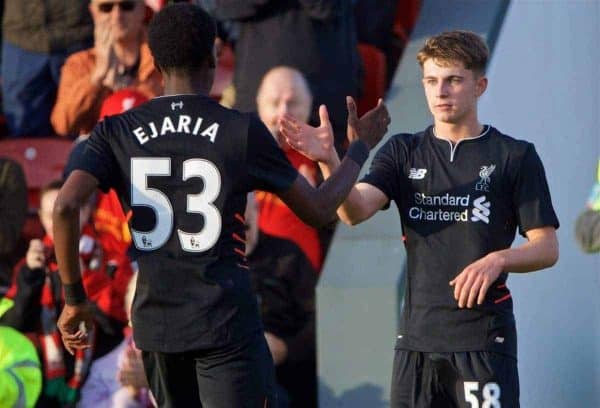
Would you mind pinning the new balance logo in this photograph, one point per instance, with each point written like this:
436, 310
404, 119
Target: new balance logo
176, 105
417, 174
481, 210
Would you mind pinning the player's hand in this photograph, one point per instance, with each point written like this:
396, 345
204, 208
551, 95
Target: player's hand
371, 127
277, 347
35, 257
316, 143
474, 281
75, 324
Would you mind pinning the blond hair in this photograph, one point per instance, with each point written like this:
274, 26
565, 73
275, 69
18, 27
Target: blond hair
456, 46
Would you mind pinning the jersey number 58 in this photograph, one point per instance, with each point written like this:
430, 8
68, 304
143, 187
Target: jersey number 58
490, 392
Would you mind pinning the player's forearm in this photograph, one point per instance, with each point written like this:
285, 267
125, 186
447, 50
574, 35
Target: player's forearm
317, 207
349, 211
531, 256
334, 190
66, 239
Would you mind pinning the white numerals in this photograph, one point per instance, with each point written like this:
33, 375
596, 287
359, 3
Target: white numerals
141, 195
201, 203
490, 392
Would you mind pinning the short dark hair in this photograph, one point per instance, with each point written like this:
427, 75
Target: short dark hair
181, 37
456, 46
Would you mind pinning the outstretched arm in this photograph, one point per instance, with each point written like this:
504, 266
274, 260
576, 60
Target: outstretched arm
364, 199
76, 191
317, 206
539, 252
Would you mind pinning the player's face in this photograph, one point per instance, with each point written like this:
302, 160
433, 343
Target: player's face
452, 91
280, 95
124, 17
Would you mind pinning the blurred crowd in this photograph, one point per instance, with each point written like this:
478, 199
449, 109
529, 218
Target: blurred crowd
68, 64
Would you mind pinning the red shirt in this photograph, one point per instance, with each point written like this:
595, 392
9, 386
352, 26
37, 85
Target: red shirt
277, 219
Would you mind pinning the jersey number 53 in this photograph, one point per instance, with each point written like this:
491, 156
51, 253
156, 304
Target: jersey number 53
201, 203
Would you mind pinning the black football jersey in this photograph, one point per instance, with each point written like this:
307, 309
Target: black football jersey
457, 203
184, 165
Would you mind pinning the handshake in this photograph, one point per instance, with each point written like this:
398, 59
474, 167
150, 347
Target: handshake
317, 143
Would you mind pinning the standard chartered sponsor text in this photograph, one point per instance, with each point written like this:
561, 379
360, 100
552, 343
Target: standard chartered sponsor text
418, 213
446, 199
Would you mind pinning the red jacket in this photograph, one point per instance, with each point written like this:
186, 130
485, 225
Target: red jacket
105, 277
276, 219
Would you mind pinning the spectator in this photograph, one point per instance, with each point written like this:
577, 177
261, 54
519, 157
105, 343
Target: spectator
118, 380
13, 209
284, 282
119, 59
38, 37
33, 301
375, 26
317, 37
284, 90
587, 228
20, 374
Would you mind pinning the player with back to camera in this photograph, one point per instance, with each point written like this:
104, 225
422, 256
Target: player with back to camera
184, 164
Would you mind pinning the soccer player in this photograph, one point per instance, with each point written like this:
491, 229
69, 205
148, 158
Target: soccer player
184, 164
462, 189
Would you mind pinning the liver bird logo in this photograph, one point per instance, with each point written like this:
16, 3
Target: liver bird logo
486, 172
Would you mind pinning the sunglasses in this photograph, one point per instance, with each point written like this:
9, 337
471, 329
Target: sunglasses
123, 5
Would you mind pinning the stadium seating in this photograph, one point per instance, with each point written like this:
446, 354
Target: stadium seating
224, 72
406, 17
374, 66
43, 160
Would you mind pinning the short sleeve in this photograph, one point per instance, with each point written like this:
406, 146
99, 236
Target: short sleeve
384, 172
97, 157
268, 167
531, 196
74, 158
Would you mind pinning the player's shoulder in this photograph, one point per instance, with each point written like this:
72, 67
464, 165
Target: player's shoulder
408, 138
512, 144
110, 123
406, 142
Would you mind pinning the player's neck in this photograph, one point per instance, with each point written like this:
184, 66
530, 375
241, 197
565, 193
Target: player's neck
455, 132
200, 83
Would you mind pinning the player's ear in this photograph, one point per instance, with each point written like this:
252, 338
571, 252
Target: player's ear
481, 84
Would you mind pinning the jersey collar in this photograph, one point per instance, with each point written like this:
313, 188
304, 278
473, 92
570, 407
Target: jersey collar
440, 140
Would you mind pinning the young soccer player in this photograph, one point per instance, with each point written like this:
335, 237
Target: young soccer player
184, 164
462, 189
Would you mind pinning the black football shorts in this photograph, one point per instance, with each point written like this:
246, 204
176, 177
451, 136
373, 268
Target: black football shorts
462, 380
